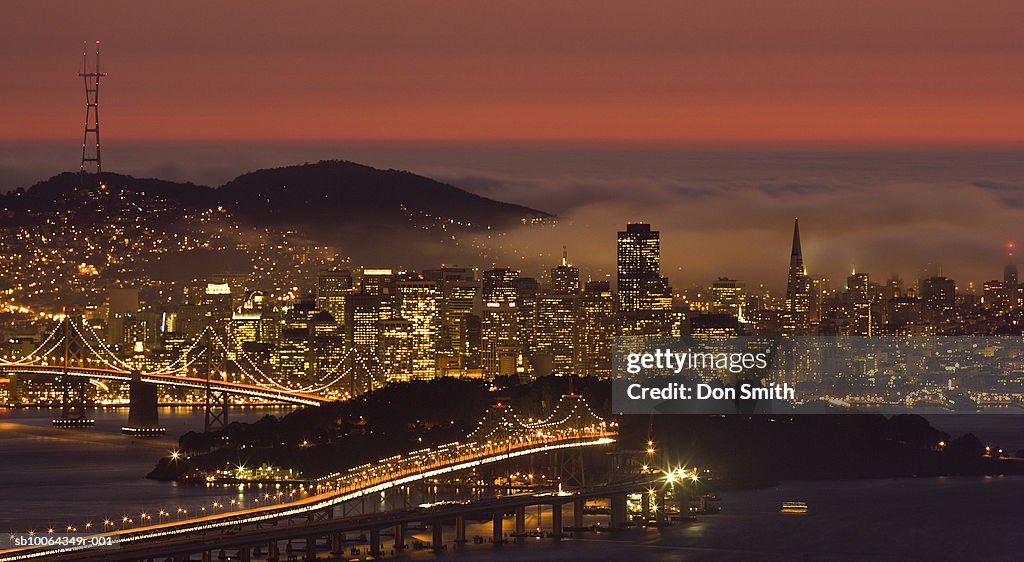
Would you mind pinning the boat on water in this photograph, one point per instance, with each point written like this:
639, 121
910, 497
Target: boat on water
794, 507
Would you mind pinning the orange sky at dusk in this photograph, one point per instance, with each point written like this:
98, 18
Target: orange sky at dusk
919, 70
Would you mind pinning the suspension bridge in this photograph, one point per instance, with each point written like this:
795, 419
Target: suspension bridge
214, 363
501, 435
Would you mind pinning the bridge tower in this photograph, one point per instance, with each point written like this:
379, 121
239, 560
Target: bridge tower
216, 399
365, 374
571, 464
73, 400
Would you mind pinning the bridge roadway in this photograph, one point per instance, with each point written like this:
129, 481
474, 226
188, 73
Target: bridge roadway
357, 483
312, 529
169, 380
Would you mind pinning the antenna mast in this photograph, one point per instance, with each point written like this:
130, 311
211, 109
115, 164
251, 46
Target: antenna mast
91, 138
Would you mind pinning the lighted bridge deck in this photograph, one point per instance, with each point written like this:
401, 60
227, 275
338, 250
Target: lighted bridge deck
501, 436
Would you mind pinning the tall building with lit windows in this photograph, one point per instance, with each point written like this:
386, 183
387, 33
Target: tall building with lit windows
500, 342
216, 302
459, 339
639, 263
395, 348
938, 299
327, 344
419, 303
332, 287
565, 278
859, 321
645, 297
292, 358
380, 282
362, 312
553, 343
1011, 285
548, 320
796, 309
596, 330
728, 296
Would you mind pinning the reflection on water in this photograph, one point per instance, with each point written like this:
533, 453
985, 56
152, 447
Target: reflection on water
54, 476
886, 519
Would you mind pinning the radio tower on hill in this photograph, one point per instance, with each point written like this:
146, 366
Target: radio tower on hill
91, 138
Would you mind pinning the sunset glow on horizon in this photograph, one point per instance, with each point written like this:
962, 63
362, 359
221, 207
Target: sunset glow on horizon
458, 70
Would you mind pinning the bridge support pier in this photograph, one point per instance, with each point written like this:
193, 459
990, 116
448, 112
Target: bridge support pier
273, 554
683, 502
556, 520
460, 530
337, 548
437, 536
520, 522
143, 420
400, 536
577, 513
310, 548
374, 542
645, 507
660, 515
207, 557
497, 533
244, 554
618, 502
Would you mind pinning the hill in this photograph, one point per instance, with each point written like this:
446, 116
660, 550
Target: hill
329, 191
374, 216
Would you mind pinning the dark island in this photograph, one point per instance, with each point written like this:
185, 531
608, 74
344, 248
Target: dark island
742, 451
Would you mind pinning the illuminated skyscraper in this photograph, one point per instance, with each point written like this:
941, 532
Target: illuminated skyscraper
327, 343
859, 321
728, 296
938, 298
216, 302
565, 278
1011, 284
396, 348
527, 291
292, 358
795, 317
458, 318
362, 312
332, 287
553, 342
378, 282
639, 263
645, 297
501, 346
460, 306
419, 303
596, 330
381, 282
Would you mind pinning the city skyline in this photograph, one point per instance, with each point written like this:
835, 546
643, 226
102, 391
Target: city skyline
486, 323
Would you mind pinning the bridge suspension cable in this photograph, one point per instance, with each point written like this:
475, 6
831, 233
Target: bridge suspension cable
27, 359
